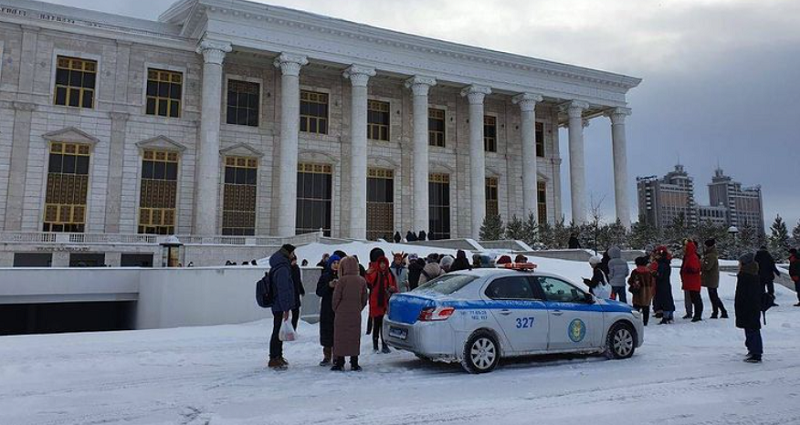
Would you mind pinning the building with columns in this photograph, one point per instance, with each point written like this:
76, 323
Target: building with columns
226, 121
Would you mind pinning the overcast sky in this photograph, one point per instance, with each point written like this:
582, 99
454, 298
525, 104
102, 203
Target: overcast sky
720, 76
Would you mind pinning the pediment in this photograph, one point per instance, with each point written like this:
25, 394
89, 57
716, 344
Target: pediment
71, 135
241, 149
161, 143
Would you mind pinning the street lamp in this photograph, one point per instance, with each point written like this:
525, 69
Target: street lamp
733, 231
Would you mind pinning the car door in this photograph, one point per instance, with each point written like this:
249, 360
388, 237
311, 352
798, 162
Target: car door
575, 322
522, 315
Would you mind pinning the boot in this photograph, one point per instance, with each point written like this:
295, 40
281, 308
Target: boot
276, 364
753, 359
724, 314
354, 364
697, 319
326, 360
375, 345
385, 349
714, 315
688, 316
338, 364
659, 314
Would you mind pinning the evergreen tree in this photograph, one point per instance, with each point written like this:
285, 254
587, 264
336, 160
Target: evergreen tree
561, 234
530, 230
492, 228
779, 239
796, 235
616, 234
675, 234
747, 239
643, 235
515, 229
547, 236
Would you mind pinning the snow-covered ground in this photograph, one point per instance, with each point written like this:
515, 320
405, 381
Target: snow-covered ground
684, 374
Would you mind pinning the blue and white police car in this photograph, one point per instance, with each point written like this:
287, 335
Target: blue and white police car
478, 317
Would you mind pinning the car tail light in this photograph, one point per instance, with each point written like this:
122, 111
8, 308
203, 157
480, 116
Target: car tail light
434, 314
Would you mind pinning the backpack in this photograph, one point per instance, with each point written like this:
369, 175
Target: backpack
767, 301
265, 293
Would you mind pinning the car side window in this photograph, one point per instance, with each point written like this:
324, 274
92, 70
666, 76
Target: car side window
559, 291
510, 288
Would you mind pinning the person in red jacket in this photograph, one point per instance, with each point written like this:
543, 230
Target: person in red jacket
381, 284
690, 277
794, 272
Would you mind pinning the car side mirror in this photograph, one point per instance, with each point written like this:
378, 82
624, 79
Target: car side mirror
589, 298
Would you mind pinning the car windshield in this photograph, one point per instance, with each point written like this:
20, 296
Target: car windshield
447, 284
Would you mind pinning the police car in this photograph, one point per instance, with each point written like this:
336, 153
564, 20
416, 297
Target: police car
478, 317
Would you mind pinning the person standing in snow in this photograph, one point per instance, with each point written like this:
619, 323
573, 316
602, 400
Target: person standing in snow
446, 262
461, 262
415, 265
749, 294
598, 277
767, 270
324, 261
574, 243
663, 300
299, 291
690, 277
327, 317
382, 285
349, 299
709, 277
400, 271
642, 286
618, 271
794, 272
411, 237
281, 281
432, 270
397, 237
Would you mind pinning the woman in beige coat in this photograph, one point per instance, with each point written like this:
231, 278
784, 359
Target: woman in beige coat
349, 299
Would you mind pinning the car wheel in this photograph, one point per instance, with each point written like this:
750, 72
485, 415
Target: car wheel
621, 341
481, 353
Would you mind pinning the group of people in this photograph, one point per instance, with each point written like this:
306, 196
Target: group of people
651, 288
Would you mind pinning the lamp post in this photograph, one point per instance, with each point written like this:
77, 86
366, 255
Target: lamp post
733, 231
171, 251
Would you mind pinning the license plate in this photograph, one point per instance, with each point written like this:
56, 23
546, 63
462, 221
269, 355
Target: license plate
398, 333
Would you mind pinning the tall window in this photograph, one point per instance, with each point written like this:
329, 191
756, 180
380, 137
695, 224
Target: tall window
489, 133
436, 127
540, 140
159, 192
541, 197
239, 201
313, 112
314, 190
67, 186
439, 206
492, 198
378, 120
243, 99
164, 89
380, 203
75, 81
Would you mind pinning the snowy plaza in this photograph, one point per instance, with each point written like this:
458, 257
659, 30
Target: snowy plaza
687, 373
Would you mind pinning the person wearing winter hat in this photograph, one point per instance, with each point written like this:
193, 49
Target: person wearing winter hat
690, 278
749, 294
642, 285
503, 260
382, 285
415, 266
709, 277
432, 270
400, 271
446, 262
663, 300
281, 277
767, 270
598, 277
327, 317
476, 261
521, 259
461, 262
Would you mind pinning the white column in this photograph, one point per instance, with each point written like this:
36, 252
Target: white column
619, 146
359, 77
420, 86
290, 65
207, 173
530, 189
577, 168
476, 94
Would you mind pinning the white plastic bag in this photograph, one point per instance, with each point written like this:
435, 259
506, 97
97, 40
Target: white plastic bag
287, 332
602, 291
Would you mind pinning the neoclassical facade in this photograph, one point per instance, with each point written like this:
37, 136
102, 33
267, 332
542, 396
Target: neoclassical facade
229, 117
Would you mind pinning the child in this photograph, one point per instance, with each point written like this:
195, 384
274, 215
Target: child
642, 286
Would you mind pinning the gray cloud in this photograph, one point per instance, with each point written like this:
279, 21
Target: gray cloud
720, 76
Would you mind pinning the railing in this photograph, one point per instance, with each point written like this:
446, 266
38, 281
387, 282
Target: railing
135, 239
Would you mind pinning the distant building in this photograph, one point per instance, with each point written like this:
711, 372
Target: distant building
744, 204
661, 201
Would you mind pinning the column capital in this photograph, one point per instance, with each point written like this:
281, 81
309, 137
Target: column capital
119, 116
527, 101
214, 51
420, 84
23, 106
290, 63
575, 108
476, 93
618, 115
359, 75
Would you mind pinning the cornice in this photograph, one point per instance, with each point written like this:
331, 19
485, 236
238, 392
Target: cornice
331, 27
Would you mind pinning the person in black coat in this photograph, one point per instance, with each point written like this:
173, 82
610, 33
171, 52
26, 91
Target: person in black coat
574, 243
767, 271
411, 237
749, 294
422, 236
397, 237
325, 286
604, 263
663, 300
299, 291
461, 262
415, 266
